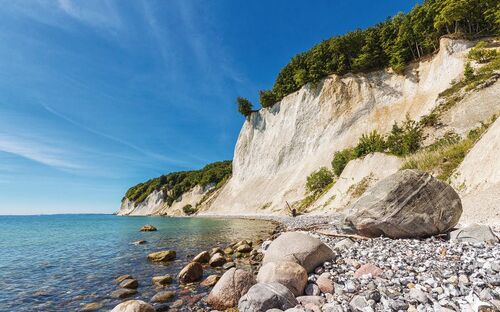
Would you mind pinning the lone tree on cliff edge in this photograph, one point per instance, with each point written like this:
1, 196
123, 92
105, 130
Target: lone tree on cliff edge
244, 106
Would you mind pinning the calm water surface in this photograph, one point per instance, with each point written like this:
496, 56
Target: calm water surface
61, 262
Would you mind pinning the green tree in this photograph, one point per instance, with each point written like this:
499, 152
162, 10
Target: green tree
341, 159
244, 106
319, 180
468, 72
404, 139
370, 143
267, 98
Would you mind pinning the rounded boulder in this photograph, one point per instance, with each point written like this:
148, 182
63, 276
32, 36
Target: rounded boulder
289, 274
133, 306
230, 288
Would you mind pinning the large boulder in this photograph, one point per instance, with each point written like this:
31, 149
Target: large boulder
229, 289
266, 296
192, 272
133, 306
289, 274
300, 248
407, 204
202, 257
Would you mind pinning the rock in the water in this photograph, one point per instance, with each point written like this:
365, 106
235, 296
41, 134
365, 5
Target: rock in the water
265, 296
139, 242
202, 257
162, 280
210, 280
162, 256
290, 274
133, 306
192, 272
163, 296
474, 233
123, 293
244, 248
121, 278
298, 247
407, 204
129, 283
229, 289
92, 306
148, 228
217, 260
368, 269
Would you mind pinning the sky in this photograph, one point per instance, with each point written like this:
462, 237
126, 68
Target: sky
99, 95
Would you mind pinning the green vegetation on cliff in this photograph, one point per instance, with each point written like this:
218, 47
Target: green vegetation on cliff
393, 43
177, 183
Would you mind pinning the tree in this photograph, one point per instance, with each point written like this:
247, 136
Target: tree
341, 159
370, 143
244, 106
267, 98
468, 72
404, 139
319, 180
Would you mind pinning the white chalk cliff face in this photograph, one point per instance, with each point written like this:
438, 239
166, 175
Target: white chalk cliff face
279, 147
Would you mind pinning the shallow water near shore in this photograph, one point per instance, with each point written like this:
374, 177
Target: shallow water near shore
62, 262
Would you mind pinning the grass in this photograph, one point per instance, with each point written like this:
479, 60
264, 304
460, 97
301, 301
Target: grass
307, 201
442, 158
359, 188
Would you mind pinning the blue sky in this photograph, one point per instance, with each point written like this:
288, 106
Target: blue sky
96, 96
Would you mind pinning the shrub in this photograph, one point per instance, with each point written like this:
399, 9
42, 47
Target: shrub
405, 139
482, 55
370, 143
267, 98
244, 106
341, 159
319, 180
468, 72
189, 210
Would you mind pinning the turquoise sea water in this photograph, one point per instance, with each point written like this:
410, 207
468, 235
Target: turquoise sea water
61, 262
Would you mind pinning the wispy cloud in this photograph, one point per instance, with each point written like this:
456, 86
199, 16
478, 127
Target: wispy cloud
95, 13
39, 152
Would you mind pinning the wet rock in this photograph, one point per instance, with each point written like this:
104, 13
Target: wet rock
123, 293
162, 256
474, 233
325, 284
368, 269
163, 296
139, 242
244, 248
216, 250
407, 204
121, 278
228, 251
210, 280
298, 247
162, 280
129, 283
217, 260
202, 257
289, 274
192, 272
265, 296
92, 306
133, 306
148, 228
233, 284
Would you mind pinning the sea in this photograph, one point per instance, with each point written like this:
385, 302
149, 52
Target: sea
63, 262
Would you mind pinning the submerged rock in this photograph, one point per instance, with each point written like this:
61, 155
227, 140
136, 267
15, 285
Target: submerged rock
162, 280
163, 296
407, 204
129, 283
133, 306
300, 248
229, 289
192, 272
123, 293
474, 233
148, 228
210, 280
289, 274
121, 278
93, 306
265, 296
162, 256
